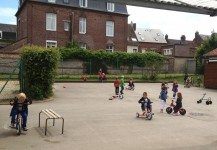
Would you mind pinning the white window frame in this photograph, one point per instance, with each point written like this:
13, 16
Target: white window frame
50, 42
110, 6
1, 35
110, 28
52, 1
82, 25
109, 48
51, 22
144, 50
153, 50
135, 50
168, 51
83, 45
83, 3
66, 25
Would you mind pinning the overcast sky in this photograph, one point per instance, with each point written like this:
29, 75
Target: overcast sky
172, 23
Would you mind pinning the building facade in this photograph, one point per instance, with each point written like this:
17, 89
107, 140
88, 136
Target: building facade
91, 24
7, 34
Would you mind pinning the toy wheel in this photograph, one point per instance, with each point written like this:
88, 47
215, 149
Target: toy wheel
182, 111
19, 127
210, 102
137, 115
169, 110
207, 102
149, 116
199, 101
121, 96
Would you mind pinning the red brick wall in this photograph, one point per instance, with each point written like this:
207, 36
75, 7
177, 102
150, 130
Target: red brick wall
149, 46
210, 74
95, 36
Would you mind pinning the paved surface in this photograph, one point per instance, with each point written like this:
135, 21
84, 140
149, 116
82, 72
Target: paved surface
93, 122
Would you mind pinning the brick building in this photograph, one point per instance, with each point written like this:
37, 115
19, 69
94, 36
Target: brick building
7, 34
92, 24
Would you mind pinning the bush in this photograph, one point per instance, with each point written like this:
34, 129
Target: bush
39, 66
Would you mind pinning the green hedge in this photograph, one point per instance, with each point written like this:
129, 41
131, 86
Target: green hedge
39, 70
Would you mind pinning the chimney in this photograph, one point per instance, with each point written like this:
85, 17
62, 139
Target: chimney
183, 38
166, 37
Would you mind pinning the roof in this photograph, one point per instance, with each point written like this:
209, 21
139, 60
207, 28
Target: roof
91, 5
150, 35
208, 7
211, 53
8, 28
204, 36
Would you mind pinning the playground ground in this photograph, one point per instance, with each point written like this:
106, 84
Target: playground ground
92, 122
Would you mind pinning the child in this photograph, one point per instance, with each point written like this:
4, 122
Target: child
104, 76
20, 105
175, 88
84, 77
145, 103
122, 85
116, 85
178, 103
163, 97
131, 84
100, 74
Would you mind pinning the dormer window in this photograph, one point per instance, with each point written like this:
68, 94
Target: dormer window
110, 6
52, 1
83, 3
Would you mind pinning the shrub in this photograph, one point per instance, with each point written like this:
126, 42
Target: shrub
39, 66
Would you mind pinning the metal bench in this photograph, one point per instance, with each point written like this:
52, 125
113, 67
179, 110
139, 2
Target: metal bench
50, 115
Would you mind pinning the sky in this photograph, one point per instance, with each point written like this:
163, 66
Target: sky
173, 23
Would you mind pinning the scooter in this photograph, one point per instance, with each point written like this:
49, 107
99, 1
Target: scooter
169, 110
120, 96
208, 100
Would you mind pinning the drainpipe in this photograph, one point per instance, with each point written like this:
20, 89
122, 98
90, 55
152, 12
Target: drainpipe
71, 27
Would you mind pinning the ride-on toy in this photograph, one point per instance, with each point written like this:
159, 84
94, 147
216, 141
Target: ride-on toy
148, 115
130, 88
120, 96
169, 109
208, 100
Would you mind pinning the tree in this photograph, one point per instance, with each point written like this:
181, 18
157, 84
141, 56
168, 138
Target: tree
207, 45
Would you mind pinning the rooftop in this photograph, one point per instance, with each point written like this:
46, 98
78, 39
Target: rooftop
8, 27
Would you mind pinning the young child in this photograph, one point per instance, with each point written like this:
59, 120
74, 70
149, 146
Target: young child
122, 84
178, 103
84, 77
163, 97
145, 103
104, 77
20, 105
116, 85
131, 84
175, 88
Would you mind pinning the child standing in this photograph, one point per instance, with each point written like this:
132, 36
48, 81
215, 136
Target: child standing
178, 103
163, 97
122, 84
145, 103
175, 88
116, 85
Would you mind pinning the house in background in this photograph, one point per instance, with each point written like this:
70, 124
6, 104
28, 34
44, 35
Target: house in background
92, 24
210, 70
150, 40
181, 54
7, 34
133, 43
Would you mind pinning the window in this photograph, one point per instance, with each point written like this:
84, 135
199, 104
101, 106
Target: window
144, 50
51, 21
153, 49
83, 45
109, 48
50, 43
168, 51
134, 50
111, 7
0, 34
82, 25
83, 3
52, 1
66, 1
66, 25
110, 28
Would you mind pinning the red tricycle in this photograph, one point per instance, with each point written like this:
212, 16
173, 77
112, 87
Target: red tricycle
169, 109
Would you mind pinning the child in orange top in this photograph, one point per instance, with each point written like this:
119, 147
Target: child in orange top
116, 85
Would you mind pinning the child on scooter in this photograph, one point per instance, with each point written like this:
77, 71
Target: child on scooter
145, 103
178, 103
20, 105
